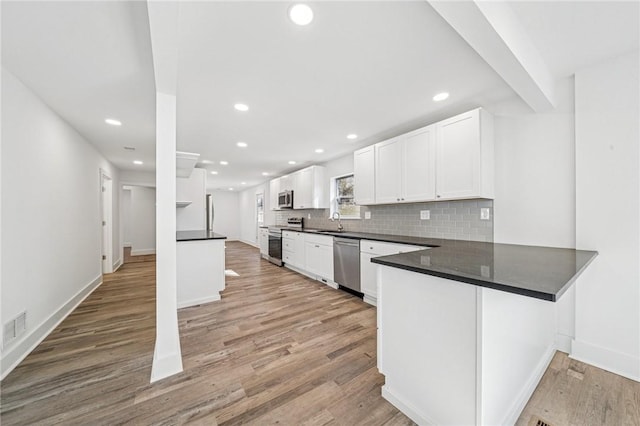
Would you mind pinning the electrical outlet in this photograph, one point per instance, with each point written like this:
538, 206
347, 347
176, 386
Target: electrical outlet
309, 216
367, 215
425, 214
484, 213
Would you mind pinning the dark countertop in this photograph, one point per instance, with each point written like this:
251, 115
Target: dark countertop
540, 272
198, 235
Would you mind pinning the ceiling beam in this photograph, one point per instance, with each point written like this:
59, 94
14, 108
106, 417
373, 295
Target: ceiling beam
493, 30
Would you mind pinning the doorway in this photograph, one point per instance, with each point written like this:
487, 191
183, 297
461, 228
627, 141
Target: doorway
106, 190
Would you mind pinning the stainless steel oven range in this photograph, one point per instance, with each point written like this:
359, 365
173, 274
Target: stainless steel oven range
275, 245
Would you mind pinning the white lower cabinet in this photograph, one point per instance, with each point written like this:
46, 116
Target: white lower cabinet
368, 277
318, 251
309, 254
263, 236
293, 248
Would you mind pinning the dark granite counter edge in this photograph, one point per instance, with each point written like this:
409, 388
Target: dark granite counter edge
551, 297
198, 236
468, 280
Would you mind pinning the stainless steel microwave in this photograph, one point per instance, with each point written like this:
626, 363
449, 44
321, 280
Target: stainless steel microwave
285, 200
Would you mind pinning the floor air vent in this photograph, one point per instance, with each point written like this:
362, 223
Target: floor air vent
537, 421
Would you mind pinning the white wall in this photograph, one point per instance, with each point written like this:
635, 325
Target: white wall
226, 220
535, 184
51, 229
608, 215
125, 202
192, 217
248, 213
131, 177
143, 220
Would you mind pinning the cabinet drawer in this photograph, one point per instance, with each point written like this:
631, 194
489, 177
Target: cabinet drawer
288, 244
323, 240
288, 257
383, 249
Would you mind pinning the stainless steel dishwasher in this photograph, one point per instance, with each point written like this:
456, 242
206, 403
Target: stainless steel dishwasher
346, 262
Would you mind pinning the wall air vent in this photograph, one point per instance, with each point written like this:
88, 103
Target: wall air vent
14, 328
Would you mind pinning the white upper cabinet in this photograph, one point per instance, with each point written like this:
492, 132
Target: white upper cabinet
308, 188
388, 171
364, 175
405, 168
464, 164
418, 165
274, 189
448, 160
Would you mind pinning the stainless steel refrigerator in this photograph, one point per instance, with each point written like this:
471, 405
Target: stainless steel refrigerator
210, 212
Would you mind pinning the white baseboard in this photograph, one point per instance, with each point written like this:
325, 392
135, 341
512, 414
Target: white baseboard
17, 351
252, 244
407, 408
619, 363
202, 301
525, 394
165, 366
370, 300
312, 276
563, 343
117, 265
142, 252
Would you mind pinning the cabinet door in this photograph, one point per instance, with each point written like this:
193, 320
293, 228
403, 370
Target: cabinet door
264, 241
299, 249
303, 189
319, 259
419, 166
274, 189
368, 277
388, 177
458, 156
364, 175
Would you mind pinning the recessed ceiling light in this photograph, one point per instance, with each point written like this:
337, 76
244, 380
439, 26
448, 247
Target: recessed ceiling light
207, 162
224, 163
352, 136
243, 183
292, 162
242, 144
301, 14
265, 174
230, 189
241, 107
213, 172
441, 96
138, 162
319, 151
113, 122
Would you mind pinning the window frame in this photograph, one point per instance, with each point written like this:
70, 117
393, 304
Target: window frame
334, 197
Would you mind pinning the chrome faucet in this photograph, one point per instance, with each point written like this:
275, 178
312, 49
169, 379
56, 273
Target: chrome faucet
333, 218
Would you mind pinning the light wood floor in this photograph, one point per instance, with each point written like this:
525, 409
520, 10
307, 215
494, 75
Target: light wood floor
278, 348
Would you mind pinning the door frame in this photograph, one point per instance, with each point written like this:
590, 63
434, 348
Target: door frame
106, 222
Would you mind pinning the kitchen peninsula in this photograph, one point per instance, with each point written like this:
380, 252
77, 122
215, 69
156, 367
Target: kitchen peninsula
200, 267
477, 327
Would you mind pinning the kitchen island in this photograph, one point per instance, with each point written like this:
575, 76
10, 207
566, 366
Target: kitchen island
466, 329
200, 267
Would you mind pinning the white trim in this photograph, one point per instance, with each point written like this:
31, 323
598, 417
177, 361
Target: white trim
407, 408
142, 252
616, 362
256, 245
127, 245
563, 343
166, 366
315, 277
527, 390
18, 350
373, 301
332, 198
202, 301
117, 265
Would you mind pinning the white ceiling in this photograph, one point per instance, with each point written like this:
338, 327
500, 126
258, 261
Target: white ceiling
88, 61
369, 68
